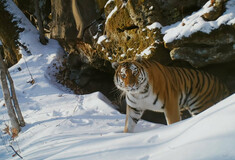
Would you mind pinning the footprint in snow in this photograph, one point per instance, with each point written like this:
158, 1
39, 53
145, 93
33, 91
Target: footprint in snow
153, 139
81, 122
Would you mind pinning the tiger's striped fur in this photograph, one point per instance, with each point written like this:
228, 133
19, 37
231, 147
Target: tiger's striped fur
148, 85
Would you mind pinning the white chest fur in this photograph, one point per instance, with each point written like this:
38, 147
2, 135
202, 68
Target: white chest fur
145, 101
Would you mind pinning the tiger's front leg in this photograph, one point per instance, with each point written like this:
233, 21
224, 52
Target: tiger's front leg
172, 113
132, 117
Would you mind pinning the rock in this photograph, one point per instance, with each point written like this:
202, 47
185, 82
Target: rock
63, 24
217, 11
128, 32
70, 19
201, 56
133, 28
203, 41
202, 49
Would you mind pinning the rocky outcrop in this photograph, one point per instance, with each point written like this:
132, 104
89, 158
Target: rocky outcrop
127, 35
71, 19
210, 42
133, 28
202, 49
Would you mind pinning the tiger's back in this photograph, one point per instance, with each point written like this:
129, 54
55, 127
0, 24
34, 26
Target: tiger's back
197, 90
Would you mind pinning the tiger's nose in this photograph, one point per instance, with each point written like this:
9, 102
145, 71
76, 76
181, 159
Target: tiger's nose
131, 85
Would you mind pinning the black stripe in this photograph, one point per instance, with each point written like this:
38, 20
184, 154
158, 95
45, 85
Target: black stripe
146, 89
130, 99
146, 96
181, 98
179, 75
197, 86
192, 110
185, 73
143, 81
206, 91
205, 99
192, 98
192, 72
198, 79
205, 103
193, 102
117, 80
155, 101
185, 99
192, 78
135, 110
160, 70
216, 88
146, 64
203, 80
201, 85
188, 91
163, 106
211, 89
183, 82
172, 73
134, 119
183, 79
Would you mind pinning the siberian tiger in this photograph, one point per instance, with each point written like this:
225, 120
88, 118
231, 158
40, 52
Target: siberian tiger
148, 85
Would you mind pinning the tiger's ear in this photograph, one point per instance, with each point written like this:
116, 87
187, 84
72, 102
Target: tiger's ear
138, 59
115, 65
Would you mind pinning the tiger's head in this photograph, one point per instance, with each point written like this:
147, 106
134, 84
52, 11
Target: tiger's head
130, 76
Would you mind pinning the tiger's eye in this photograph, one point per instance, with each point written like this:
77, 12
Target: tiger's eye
123, 75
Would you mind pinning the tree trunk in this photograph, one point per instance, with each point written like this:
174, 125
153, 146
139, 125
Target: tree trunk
42, 38
14, 99
10, 99
7, 97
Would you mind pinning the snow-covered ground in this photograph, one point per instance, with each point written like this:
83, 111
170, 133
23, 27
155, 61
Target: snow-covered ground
62, 125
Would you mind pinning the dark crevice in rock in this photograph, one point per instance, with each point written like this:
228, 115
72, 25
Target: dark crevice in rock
127, 28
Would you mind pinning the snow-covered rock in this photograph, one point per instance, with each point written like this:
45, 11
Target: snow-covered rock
201, 41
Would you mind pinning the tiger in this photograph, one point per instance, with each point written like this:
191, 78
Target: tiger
149, 85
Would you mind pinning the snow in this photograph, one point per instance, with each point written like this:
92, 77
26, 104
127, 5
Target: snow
111, 14
151, 8
154, 26
101, 39
195, 23
62, 125
107, 3
147, 51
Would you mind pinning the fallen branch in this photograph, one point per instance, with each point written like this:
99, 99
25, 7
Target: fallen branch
16, 153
